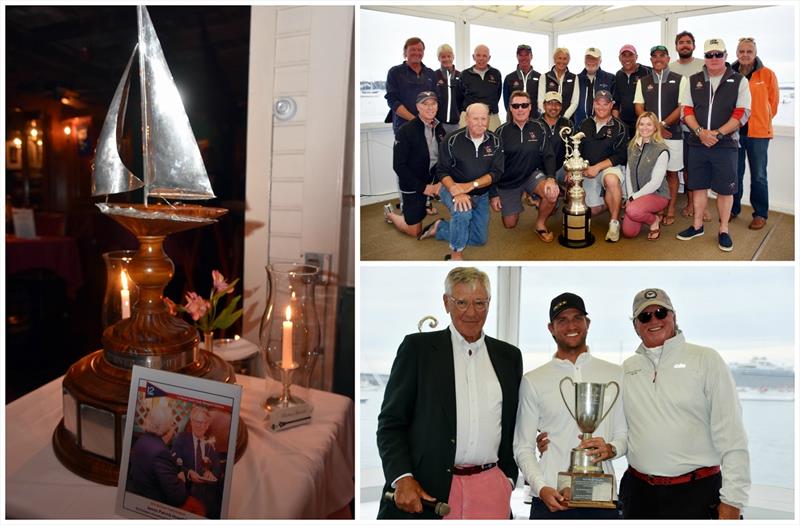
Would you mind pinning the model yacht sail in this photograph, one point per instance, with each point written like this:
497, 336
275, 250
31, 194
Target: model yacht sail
173, 166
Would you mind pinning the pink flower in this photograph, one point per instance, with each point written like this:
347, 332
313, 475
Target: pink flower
173, 308
219, 283
196, 305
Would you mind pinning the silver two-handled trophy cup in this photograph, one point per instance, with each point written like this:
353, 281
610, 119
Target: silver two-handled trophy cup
589, 486
577, 219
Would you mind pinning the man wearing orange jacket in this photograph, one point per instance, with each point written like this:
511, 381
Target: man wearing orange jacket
754, 136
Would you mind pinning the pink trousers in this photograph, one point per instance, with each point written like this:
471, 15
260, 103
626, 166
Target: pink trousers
641, 211
483, 496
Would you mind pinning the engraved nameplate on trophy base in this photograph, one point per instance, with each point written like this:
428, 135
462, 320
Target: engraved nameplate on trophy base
588, 489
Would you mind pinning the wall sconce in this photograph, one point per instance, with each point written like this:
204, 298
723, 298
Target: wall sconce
68, 130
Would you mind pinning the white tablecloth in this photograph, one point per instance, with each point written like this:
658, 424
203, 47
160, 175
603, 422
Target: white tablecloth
304, 472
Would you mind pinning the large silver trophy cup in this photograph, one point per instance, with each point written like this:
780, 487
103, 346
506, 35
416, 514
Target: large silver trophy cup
576, 225
588, 485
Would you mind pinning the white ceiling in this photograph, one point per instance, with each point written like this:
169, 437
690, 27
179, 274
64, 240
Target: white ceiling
552, 18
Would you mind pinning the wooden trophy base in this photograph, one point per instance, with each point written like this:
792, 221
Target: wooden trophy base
88, 439
588, 490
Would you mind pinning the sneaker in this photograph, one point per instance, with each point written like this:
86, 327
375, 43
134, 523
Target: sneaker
613, 231
387, 211
690, 233
725, 242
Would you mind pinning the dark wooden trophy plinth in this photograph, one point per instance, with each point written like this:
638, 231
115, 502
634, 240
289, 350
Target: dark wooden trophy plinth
88, 439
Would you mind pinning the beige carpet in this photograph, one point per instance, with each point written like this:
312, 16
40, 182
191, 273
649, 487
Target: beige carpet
775, 242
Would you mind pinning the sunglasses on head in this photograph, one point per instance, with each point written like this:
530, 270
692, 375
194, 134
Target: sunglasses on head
523, 105
645, 317
715, 54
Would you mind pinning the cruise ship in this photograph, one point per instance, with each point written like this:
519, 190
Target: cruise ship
760, 379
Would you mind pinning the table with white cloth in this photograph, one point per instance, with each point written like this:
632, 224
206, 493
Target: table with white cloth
304, 472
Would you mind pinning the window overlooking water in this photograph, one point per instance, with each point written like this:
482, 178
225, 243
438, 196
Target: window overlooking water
382, 38
773, 30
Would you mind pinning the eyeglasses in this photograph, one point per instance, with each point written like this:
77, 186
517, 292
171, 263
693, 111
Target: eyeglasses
523, 105
645, 317
715, 54
480, 305
747, 39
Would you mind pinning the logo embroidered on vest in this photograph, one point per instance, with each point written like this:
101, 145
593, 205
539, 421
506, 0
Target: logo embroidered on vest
650, 87
699, 85
488, 150
533, 136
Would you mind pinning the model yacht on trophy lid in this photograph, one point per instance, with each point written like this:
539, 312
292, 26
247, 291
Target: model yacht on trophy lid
88, 440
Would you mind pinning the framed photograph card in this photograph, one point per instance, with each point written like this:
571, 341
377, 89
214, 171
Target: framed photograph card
178, 448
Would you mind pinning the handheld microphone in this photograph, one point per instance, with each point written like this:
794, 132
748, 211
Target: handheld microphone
439, 508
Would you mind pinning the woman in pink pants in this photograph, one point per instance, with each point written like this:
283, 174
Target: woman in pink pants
648, 192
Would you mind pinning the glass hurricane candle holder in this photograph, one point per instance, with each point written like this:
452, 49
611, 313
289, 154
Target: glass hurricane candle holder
121, 292
289, 335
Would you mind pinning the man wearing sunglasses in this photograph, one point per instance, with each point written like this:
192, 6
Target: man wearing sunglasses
541, 408
446, 426
715, 104
529, 168
687, 447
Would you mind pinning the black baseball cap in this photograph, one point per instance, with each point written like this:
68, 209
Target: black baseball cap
425, 95
565, 301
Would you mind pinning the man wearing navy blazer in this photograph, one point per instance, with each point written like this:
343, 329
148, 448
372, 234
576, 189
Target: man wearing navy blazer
446, 426
198, 458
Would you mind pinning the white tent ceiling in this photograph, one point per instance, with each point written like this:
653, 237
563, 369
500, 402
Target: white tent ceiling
554, 18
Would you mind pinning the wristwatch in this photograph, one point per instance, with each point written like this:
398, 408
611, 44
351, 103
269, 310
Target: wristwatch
720, 136
697, 130
613, 451
664, 124
475, 184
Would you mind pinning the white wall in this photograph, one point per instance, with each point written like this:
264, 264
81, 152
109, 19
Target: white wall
295, 168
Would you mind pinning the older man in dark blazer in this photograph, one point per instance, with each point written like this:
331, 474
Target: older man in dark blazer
446, 426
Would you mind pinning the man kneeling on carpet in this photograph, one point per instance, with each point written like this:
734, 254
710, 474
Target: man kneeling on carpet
470, 160
530, 167
605, 148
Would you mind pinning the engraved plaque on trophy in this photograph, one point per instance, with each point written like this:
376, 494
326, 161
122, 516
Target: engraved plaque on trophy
586, 483
576, 223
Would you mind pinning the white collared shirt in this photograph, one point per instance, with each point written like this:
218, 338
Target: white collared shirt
541, 408
479, 402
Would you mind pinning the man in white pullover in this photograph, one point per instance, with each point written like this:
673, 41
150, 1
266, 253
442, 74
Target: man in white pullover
541, 407
687, 447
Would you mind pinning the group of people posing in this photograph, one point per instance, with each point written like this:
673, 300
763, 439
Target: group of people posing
459, 419
642, 126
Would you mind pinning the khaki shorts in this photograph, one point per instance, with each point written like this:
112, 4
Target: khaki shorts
595, 188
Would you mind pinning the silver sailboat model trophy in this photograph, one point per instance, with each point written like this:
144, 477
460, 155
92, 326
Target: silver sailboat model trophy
88, 440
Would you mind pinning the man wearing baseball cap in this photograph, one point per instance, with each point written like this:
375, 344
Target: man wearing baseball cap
525, 78
541, 408
715, 104
553, 122
658, 92
687, 447
605, 147
591, 80
416, 150
625, 86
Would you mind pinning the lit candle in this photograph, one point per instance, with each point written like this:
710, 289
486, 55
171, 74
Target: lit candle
125, 294
287, 363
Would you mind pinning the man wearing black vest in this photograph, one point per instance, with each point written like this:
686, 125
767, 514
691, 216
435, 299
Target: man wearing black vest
659, 92
525, 78
715, 103
625, 86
